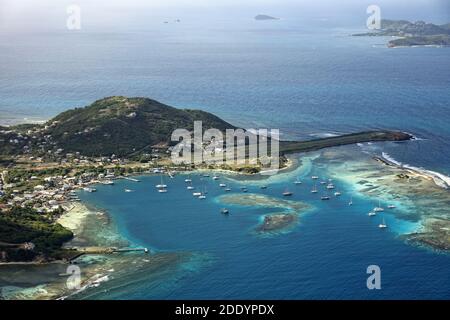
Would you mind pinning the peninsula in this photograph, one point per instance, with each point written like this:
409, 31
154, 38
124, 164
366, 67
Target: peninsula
410, 34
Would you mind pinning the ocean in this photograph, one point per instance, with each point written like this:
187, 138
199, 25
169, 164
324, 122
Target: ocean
307, 79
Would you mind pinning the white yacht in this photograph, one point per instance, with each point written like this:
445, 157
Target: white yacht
330, 186
372, 214
197, 194
382, 225
202, 197
222, 185
337, 194
87, 189
162, 190
128, 190
379, 208
161, 185
108, 182
391, 206
215, 178
314, 189
314, 177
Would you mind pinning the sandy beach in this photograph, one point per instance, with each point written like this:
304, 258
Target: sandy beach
75, 217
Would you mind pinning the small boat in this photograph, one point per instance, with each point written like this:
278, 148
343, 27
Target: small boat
263, 187
224, 211
287, 193
330, 186
382, 225
372, 214
297, 182
325, 198
322, 182
162, 190
128, 190
337, 194
190, 187
222, 185
391, 206
108, 182
89, 189
206, 175
215, 178
244, 189
202, 197
350, 203
314, 189
197, 194
161, 185
227, 189
379, 208
314, 177
187, 180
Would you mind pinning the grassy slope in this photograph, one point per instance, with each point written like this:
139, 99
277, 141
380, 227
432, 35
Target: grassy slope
369, 136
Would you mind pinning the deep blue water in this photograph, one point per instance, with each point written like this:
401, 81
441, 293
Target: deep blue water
304, 76
308, 79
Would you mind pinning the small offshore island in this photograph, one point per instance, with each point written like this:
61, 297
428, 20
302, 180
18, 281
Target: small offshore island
263, 17
274, 222
411, 34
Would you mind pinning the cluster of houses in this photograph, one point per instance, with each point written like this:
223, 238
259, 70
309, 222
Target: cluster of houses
55, 191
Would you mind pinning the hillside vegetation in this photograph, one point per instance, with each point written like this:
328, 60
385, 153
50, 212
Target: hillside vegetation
121, 126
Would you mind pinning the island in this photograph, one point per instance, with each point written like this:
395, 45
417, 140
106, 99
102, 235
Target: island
276, 222
262, 17
411, 34
43, 165
272, 223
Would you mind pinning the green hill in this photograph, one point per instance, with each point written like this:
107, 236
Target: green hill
122, 126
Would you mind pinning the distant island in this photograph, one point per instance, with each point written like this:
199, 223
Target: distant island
265, 17
410, 34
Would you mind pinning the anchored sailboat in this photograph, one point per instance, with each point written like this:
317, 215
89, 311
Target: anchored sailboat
379, 208
382, 225
161, 185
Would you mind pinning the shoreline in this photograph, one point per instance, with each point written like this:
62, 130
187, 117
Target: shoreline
439, 179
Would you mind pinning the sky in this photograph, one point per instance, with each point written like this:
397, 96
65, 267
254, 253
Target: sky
51, 14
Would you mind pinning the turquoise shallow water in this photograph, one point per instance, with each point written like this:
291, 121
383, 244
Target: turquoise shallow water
325, 256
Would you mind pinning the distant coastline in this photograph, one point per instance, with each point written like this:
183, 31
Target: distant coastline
412, 34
